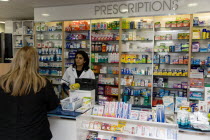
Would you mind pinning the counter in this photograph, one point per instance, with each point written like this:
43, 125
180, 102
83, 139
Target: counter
63, 127
187, 134
63, 124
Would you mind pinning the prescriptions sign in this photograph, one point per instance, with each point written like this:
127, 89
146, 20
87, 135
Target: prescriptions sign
135, 7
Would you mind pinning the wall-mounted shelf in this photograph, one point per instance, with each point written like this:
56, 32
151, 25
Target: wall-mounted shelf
23, 34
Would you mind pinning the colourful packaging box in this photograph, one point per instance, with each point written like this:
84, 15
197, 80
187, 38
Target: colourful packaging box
119, 110
143, 115
130, 36
106, 109
184, 85
134, 115
125, 111
112, 108
185, 60
95, 110
181, 61
123, 57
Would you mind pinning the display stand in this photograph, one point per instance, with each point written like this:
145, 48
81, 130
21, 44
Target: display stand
105, 48
63, 122
193, 135
167, 76
48, 40
23, 34
166, 129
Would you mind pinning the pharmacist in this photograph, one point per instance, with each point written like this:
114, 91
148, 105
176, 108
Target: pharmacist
80, 69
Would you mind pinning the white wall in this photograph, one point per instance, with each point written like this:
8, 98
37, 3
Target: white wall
87, 11
8, 26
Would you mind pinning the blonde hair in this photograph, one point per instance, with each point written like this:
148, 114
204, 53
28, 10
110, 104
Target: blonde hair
23, 75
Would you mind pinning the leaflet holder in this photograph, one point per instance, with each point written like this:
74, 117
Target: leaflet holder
86, 84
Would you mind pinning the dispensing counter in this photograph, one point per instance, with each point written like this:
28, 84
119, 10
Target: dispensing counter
63, 122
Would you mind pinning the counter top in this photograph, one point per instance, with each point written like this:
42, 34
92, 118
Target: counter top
58, 112
193, 131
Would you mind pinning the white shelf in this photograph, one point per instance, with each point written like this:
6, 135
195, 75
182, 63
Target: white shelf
117, 133
137, 121
20, 34
17, 47
133, 52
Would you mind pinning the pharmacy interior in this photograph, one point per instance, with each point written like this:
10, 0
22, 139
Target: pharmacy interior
152, 68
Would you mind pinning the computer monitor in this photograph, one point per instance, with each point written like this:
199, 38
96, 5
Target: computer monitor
86, 83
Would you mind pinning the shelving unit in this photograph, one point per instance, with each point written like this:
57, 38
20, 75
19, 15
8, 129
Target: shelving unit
136, 38
76, 37
200, 58
23, 34
136, 60
105, 49
83, 128
171, 55
49, 44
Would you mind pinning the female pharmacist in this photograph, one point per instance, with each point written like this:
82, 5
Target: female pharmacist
80, 69
25, 99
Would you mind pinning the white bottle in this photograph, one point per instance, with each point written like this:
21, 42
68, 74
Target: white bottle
42, 36
38, 36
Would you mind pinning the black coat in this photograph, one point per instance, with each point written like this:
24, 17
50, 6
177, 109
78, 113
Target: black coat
25, 117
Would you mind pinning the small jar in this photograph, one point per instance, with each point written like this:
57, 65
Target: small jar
186, 23
157, 24
179, 24
168, 24
173, 24
157, 37
163, 37
42, 36
168, 36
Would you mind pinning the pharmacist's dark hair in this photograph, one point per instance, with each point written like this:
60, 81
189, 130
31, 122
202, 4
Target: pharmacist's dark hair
86, 59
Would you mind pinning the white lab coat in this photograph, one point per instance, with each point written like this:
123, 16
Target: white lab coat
71, 74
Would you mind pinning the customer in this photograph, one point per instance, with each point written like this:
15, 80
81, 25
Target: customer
25, 99
80, 69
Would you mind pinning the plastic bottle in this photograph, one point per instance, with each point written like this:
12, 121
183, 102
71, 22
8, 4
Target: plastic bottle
195, 21
208, 34
209, 115
204, 34
103, 47
146, 100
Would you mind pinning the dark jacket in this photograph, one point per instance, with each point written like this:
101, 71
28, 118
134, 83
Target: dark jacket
25, 117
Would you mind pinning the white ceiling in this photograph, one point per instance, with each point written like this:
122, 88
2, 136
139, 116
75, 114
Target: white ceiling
24, 9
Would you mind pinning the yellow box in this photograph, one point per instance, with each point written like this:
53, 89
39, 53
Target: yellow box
123, 58
196, 34
156, 66
130, 36
128, 58
155, 73
185, 74
170, 73
165, 73
179, 74
132, 58
173, 73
